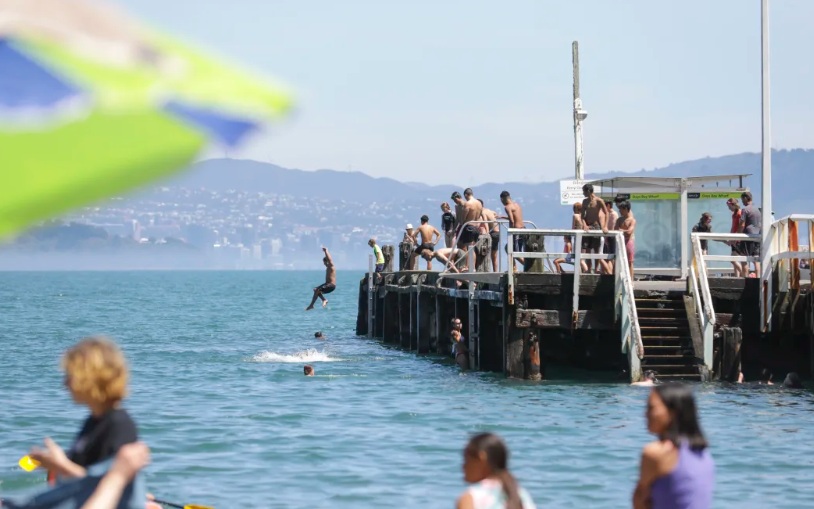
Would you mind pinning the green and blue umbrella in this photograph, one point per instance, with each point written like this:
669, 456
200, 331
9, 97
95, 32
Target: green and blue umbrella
93, 104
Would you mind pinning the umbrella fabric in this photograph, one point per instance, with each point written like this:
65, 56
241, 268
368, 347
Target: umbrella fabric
92, 104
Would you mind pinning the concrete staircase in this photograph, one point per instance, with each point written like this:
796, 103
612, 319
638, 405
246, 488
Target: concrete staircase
668, 345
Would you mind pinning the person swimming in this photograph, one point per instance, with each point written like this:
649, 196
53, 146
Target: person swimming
319, 335
793, 381
308, 370
648, 379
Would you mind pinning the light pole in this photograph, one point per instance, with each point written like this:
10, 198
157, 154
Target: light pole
579, 115
766, 165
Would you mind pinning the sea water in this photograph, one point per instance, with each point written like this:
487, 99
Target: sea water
219, 395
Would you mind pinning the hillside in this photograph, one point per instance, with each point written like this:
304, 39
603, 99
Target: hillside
791, 168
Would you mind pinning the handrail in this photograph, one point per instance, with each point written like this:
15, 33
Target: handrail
699, 258
500, 223
627, 284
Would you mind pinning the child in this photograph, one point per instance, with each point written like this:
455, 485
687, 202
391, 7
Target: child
330, 281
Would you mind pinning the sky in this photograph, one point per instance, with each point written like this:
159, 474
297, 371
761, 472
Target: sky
475, 91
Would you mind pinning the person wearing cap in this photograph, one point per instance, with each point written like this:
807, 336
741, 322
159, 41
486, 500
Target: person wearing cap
408, 233
734, 207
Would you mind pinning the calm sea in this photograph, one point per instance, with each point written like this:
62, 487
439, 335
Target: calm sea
219, 395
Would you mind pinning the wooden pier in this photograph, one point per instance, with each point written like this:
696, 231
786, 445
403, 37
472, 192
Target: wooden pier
700, 328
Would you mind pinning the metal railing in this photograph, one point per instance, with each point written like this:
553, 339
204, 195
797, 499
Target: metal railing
624, 300
782, 251
502, 225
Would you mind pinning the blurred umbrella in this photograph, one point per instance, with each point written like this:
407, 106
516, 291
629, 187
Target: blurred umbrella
92, 104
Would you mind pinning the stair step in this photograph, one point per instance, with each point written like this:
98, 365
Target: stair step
666, 357
679, 376
661, 320
659, 304
661, 311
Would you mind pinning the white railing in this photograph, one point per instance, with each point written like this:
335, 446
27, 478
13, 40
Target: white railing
624, 300
782, 251
502, 224
702, 298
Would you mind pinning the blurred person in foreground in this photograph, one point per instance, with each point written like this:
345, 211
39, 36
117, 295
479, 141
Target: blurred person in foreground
486, 468
677, 470
96, 376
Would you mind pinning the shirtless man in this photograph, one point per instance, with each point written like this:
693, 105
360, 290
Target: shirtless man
330, 281
594, 217
429, 238
610, 242
470, 211
448, 256
627, 225
493, 229
514, 213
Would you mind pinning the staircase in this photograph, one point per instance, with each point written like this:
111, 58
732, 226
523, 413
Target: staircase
668, 345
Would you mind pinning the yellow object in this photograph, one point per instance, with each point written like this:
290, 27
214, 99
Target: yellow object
28, 463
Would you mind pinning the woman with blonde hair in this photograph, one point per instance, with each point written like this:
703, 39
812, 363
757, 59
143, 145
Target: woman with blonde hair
486, 467
96, 375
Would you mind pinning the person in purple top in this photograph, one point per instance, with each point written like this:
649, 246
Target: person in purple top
677, 470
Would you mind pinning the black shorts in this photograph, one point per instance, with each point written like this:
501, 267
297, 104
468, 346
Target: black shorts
592, 243
424, 246
326, 288
468, 235
379, 268
750, 248
610, 245
495, 240
519, 243
737, 249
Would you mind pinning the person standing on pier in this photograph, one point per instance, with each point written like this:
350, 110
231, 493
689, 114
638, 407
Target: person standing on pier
447, 224
470, 211
735, 208
594, 217
704, 226
514, 213
330, 281
377, 252
610, 242
627, 225
491, 228
677, 470
751, 223
429, 238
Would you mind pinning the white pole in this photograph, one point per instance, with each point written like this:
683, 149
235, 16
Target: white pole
579, 116
766, 152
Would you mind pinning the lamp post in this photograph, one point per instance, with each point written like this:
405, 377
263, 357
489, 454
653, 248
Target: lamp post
579, 115
766, 167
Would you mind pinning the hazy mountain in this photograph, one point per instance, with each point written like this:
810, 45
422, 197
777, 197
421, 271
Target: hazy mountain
791, 168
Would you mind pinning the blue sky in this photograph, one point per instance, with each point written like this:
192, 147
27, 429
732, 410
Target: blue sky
466, 92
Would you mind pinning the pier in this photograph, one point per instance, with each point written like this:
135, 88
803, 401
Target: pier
703, 326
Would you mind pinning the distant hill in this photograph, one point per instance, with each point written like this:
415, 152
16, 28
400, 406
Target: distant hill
792, 171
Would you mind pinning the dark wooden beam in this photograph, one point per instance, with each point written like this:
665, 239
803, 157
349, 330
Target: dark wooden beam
561, 319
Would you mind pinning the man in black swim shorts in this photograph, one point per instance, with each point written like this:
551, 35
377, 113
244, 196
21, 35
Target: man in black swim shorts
330, 281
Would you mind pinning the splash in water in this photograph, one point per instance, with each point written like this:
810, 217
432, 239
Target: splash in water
310, 355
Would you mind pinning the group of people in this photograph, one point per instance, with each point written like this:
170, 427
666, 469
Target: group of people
595, 214
461, 230
747, 219
676, 470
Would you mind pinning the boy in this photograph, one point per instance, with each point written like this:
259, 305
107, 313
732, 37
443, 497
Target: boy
330, 281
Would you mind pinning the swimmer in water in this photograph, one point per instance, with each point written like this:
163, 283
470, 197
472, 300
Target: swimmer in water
649, 379
319, 335
308, 370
